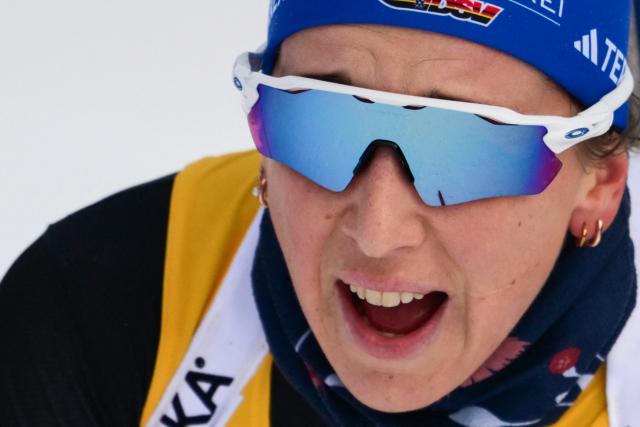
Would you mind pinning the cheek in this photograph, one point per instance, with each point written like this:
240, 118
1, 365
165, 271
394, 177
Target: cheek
519, 238
508, 249
304, 219
300, 216
514, 248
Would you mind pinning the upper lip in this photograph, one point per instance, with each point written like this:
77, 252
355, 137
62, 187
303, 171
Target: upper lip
386, 283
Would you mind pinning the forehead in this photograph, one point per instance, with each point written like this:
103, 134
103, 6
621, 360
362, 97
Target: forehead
393, 40
416, 62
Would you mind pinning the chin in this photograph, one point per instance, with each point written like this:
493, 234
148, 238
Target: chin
396, 385
391, 393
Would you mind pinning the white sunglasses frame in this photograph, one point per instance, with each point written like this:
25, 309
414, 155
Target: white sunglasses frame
562, 132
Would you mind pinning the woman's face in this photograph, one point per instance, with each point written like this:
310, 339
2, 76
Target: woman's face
490, 257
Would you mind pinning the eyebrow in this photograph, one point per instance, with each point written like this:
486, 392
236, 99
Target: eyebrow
335, 77
343, 78
444, 96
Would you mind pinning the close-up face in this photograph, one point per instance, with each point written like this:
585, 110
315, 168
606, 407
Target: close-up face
475, 267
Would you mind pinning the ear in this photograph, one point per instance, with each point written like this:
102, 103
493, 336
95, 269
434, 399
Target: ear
602, 195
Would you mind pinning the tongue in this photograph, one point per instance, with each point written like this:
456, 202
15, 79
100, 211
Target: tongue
404, 318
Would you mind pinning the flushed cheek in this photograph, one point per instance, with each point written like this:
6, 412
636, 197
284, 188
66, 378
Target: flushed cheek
517, 273
304, 219
301, 216
491, 318
502, 244
302, 247
500, 293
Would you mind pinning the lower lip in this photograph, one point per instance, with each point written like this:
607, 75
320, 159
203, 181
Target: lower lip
383, 347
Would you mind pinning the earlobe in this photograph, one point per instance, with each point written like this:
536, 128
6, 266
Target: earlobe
602, 198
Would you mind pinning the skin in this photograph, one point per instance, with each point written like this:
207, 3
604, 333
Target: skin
491, 256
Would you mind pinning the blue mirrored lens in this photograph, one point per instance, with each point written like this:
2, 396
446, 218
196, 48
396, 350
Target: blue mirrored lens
454, 157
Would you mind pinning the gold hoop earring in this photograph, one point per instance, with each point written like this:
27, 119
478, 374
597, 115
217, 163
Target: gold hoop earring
260, 191
582, 240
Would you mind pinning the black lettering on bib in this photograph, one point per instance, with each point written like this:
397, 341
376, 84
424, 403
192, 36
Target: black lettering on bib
204, 386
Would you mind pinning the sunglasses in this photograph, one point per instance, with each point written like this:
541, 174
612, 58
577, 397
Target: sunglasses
453, 152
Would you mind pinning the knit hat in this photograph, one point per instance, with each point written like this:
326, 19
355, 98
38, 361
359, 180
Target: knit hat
580, 44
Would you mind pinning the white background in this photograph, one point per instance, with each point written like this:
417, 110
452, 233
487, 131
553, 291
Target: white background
98, 96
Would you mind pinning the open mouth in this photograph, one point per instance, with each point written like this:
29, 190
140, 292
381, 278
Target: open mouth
391, 324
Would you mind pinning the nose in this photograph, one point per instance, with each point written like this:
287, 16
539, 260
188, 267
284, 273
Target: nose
386, 213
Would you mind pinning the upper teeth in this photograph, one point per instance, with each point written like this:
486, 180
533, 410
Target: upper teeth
385, 299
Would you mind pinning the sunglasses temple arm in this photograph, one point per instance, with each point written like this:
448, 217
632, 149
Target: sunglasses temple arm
245, 65
614, 99
598, 118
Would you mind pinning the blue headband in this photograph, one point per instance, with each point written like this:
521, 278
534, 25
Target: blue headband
580, 44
